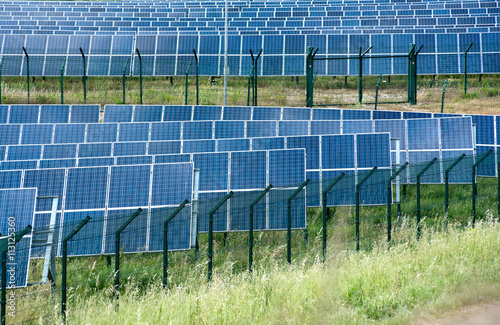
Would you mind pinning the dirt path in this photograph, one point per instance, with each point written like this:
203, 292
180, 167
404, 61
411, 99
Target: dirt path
486, 314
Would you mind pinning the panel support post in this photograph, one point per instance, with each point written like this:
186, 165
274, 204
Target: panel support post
357, 202
446, 187
186, 92
5, 242
1, 63
140, 74
442, 98
389, 200
211, 231
420, 173
309, 76
165, 241
254, 63
64, 265
465, 68
360, 74
324, 195
474, 185
250, 226
289, 220
124, 71
197, 85
376, 91
84, 78
117, 250
27, 71
62, 80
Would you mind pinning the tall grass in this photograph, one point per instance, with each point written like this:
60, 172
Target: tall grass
442, 271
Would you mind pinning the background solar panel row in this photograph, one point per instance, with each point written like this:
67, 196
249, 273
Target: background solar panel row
26, 114
17, 210
283, 54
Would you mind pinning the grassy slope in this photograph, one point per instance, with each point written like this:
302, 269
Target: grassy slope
371, 287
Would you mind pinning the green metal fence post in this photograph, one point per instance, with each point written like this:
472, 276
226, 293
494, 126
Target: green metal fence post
197, 88
255, 70
62, 80
324, 203
376, 91
389, 200
309, 75
4, 248
124, 70
249, 84
140, 74
84, 78
117, 250
410, 73
250, 226
442, 98
420, 173
186, 92
446, 185
415, 72
498, 188
465, 68
64, 264
211, 231
360, 74
289, 220
165, 241
27, 71
474, 185
357, 203
1, 63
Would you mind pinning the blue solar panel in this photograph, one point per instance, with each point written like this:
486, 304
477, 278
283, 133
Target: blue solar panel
134, 132
266, 113
213, 170
118, 113
86, 188
85, 113
423, 134
178, 232
69, 133
209, 113
240, 113
129, 148
94, 150
88, 241
167, 159
18, 204
57, 163
373, 150
343, 147
132, 238
19, 164
129, 186
28, 152
172, 183
229, 129
96, 162
248, 170
50, 182
312, 146
24, 113
233, 145
326, 114
164, 147
10, 179
256, 129
4, 114
293, 172
166, 131
177, 113
360, 126
54, 114
196, 146
102, 132
296, 113
145, 113
456, 133
197, 130
134, 160
10, 134
37, 133
290, 128
325, 127
59, 151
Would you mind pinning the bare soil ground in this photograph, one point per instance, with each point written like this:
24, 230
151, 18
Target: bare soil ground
485, 314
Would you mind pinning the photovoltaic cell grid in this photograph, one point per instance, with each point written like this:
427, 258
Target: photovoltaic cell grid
17, 208
283, 54
27, 114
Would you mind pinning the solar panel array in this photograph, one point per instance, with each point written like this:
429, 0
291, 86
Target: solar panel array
27, 114
166, 32
17, 210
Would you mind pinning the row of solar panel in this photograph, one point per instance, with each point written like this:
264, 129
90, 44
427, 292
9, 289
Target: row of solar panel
135, 135
25, 114
170, 55
488, 126
273, 44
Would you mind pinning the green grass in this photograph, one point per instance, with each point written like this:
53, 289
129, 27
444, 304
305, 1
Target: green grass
443, 271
